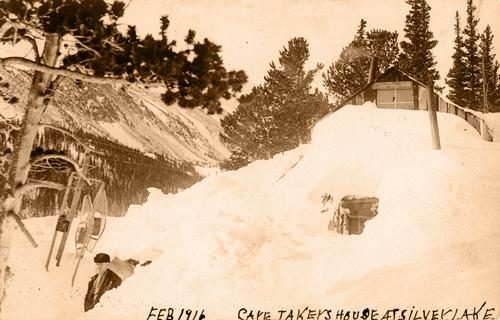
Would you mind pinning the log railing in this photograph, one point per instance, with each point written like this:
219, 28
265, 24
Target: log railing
474, 118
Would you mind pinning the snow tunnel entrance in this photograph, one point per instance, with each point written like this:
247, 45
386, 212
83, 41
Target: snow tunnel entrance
352, 213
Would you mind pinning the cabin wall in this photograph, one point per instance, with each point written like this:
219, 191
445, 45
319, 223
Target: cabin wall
422, 98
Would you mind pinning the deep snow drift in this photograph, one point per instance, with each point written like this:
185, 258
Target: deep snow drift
255, 237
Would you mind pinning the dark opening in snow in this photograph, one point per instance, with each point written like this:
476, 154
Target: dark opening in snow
352, 213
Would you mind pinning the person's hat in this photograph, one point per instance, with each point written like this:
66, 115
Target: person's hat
101, 258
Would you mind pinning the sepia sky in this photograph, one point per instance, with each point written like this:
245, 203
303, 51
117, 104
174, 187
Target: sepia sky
252, 32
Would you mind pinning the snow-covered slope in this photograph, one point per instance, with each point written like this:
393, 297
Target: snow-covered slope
134, 116
255, 238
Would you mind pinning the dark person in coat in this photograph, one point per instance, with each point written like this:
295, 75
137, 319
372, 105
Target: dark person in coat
104, 280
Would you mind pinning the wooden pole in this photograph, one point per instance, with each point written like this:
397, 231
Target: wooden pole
431, 107
373, 69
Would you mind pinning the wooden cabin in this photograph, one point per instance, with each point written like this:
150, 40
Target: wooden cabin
394, 89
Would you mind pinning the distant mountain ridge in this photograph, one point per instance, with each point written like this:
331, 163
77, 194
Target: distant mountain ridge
134, 116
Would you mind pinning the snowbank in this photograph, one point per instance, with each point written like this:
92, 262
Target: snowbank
493, 123
255, 237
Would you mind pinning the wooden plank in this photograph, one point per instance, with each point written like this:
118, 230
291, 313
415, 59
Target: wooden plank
452, 109
422, 98
442, 105
415, 96
470, 118
392, 85
461, 113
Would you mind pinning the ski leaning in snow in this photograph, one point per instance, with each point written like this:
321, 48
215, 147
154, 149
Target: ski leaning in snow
91, 226
73, 209
100, 206
62, 224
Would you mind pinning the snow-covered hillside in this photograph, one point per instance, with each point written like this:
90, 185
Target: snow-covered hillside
256, 239
134, 116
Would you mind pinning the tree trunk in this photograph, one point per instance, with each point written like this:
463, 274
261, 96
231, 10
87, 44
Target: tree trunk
38, 100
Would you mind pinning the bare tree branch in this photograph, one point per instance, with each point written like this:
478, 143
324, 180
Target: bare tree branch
9, 61
44, 166
81, 64
6, 120
37, 184
9, 24
68, 133
21, 226
110, 41
63, 131
84, 46
55, 84
38, 169
75, 165
126, 6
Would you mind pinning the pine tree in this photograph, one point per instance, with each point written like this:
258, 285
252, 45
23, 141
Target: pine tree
289, 85
489, 68
164, 24
202, 81
350, 72
360, 38
497, 102
383, 45
194, 77
472, 60
249, 131
416, 57
456, 76
276, 116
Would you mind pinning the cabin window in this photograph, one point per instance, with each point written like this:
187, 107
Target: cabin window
395, 98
